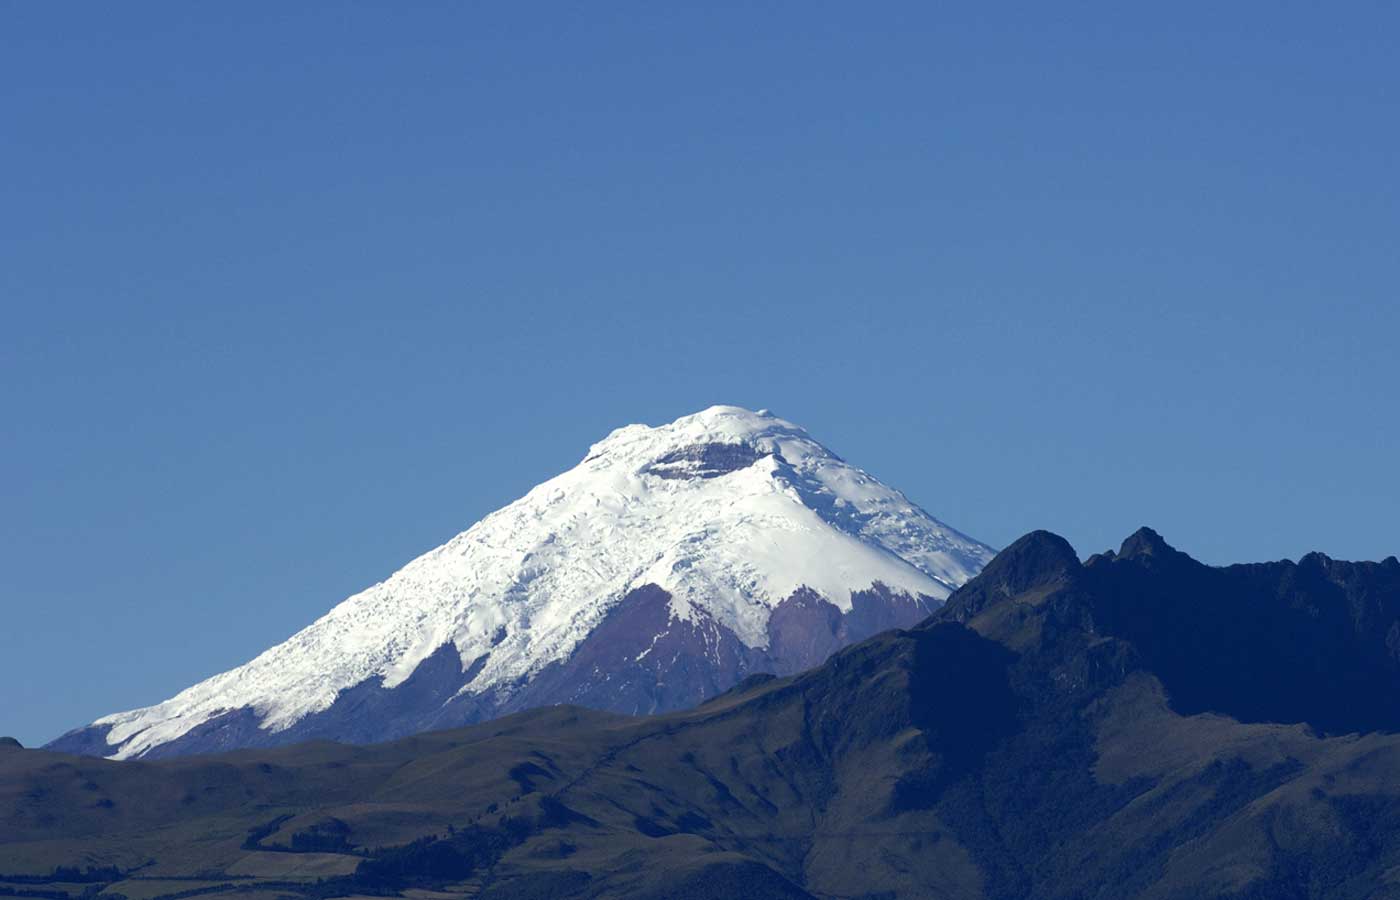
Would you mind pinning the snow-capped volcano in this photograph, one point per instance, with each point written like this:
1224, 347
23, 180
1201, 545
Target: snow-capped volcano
667, 565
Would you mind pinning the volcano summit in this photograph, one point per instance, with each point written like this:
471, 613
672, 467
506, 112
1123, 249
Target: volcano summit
667, 566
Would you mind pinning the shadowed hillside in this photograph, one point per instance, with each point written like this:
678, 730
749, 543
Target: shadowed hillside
1138, 725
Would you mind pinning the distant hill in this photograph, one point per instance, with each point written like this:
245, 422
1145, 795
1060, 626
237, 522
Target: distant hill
1137, 725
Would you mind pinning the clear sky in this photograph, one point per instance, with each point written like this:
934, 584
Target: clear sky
293, 292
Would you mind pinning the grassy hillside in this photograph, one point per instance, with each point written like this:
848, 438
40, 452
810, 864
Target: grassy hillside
1013, 746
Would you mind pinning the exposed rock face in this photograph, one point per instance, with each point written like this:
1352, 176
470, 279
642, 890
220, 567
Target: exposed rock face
709, 460
804, 630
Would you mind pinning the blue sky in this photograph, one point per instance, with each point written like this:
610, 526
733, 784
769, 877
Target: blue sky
292, 292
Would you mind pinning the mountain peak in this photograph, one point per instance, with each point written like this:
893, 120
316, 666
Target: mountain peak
1042, 549
1144, 542
1034, 565
710, 524
1316, 559
1033, 560
713, 425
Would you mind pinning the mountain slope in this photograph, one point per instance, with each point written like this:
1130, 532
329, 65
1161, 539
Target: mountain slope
1018, 744
666, 566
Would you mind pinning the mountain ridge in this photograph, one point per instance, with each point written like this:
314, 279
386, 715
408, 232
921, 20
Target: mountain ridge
1018, 743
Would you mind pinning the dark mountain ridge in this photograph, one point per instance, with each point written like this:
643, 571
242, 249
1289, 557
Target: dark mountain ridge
1137, 725
1316, 641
